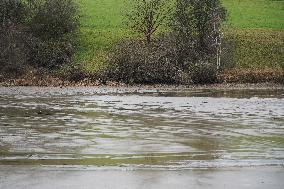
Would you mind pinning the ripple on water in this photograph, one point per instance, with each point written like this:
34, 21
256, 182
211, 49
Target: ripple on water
184, 129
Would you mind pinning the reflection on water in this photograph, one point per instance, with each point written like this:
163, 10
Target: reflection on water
145, 128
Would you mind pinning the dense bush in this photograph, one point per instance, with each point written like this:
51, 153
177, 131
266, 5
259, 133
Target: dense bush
12, 37
13, 52
196, 26
50, 54
54, 19
37, 33
203, 72
53, 27
12, 12
137, 62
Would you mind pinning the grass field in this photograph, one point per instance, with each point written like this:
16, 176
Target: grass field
101, 27
102, 24
255, 13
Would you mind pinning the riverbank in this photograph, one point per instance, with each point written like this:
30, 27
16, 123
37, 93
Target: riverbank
229, 80
49, 81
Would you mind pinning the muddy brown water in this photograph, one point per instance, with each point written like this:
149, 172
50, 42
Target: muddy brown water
132, 128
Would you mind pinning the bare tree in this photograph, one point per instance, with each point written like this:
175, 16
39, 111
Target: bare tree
146, 16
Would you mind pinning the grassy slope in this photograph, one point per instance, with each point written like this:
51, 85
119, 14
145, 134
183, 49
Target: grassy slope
258, 32
256, 13
102, 24
101, 27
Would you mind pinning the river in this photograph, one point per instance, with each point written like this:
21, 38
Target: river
140, 129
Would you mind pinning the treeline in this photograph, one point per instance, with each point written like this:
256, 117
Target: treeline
36, 34
179, 42
41, 34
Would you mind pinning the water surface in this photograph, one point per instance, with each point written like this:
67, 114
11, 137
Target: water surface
141, 128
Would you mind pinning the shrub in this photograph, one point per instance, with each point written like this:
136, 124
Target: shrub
54, 19
50, 54
37, 33
53, 27
196, 26
13, 52
13, 49
203, 72
12, 12
136, 62
71, 72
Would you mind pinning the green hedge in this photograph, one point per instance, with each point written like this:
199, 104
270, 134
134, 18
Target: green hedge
256, 48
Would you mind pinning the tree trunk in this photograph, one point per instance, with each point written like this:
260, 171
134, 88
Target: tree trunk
148, 39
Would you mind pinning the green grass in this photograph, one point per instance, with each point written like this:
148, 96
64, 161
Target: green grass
102, 24
101, 27
257, 48
255, 13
